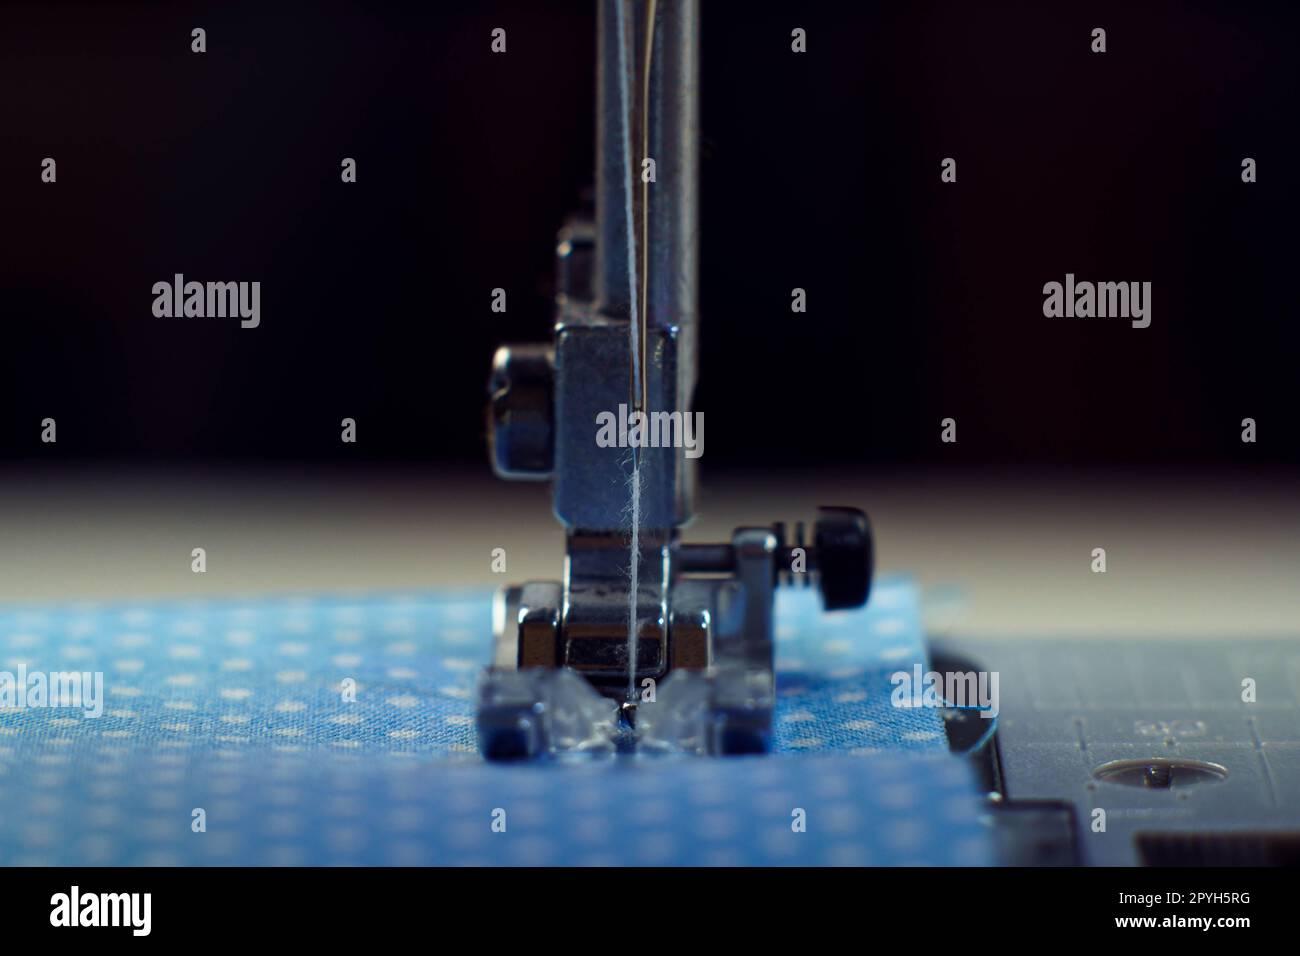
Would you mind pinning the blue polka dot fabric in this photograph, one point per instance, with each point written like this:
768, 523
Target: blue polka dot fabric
341, 730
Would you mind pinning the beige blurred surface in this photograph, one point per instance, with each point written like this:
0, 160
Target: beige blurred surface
1209, 556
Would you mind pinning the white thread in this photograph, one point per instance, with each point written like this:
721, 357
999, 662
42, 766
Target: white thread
634, 557
634, 564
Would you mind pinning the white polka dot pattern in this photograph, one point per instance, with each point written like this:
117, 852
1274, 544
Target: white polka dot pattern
330, 730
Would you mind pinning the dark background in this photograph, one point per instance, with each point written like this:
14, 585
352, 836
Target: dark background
819, 170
